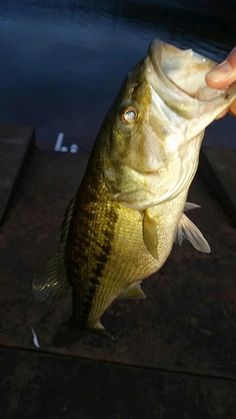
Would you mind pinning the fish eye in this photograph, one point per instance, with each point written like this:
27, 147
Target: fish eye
128, 115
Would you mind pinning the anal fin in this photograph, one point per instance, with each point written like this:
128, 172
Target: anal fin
187, 230
133, 291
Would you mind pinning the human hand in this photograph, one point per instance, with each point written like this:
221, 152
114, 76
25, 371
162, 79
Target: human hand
223, 75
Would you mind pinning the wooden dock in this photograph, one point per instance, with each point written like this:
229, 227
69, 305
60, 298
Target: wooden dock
16, 143
175, 352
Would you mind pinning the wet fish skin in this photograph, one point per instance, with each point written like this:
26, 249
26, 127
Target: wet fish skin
106, 253
129, 208
105, 248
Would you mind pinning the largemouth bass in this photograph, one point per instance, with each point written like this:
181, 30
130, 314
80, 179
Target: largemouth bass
129, 208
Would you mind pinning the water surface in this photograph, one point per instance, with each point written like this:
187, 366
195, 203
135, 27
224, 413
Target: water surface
63, 61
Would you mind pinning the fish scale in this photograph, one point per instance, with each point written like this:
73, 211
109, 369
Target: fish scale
89, 242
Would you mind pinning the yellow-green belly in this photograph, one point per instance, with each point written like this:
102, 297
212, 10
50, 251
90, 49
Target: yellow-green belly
129, 261
105, 251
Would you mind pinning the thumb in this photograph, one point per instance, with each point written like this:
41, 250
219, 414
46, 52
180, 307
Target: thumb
223, 74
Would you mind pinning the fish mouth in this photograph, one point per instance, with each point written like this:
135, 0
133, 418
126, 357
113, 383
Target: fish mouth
181, 71
155, 55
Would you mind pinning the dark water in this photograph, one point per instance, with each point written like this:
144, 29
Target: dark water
62, 62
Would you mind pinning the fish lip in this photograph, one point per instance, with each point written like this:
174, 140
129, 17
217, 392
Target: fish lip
154, 53
177, 98
160, 73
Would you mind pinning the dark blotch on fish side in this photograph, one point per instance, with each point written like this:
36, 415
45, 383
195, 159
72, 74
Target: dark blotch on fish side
96, 278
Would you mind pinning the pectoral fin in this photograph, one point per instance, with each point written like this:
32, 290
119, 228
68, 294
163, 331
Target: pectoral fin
133, 291
150, 236
187, 230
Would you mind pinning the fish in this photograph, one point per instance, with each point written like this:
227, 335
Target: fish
131, 205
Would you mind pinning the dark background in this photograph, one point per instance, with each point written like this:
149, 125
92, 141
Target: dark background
63, 61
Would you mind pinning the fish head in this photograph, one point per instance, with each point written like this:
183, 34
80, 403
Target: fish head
154, 130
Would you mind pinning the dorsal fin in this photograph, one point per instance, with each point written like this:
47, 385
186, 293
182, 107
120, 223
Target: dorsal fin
133, 291
150, 236
187, 230
51, 281
66, 222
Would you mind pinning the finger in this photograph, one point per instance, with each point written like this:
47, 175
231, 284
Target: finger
233, 108
224, 74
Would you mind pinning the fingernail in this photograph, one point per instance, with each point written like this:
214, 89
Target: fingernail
220, 72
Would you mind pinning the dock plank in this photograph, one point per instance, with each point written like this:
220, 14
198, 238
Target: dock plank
15, 144
36, 385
